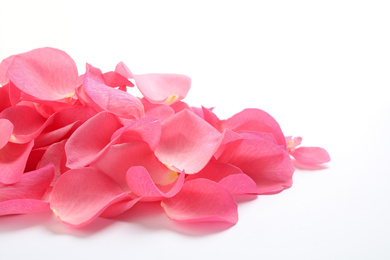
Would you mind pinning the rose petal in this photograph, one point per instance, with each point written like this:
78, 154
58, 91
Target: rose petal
23, 206
46, 73
239, 184
90, 140
201, 200
311, 155
6, 129
109, 99
162, 112
163, 88
141, 184
81, 195
254, 120
13, 158
187, 142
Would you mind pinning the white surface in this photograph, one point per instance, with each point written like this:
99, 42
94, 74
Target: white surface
321, 68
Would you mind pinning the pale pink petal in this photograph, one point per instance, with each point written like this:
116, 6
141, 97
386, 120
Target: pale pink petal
46, 73
28, 123
146, 129
187, 142
110, 99
122, 69
201, 200
13, 158
23, 206
311, 155
89, 140
292, 142
159, 111
6, 129
81, 195
266, 163
163, 88
254, 120
32, 185
142, 185
120, 157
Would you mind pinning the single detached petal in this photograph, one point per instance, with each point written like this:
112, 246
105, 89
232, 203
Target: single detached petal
141, 184
187, 142
163, 88
23, 206
32, 185
201, 200
265, 162
27, 122
81, 195
88, 142
6, 129
110, 99
310, 155
254, 120
13, 159
46, 73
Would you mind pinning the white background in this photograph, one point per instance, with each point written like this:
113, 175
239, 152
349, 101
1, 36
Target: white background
321, 68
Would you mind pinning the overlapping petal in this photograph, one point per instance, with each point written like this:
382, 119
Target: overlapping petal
187, 142
6, 130
81, 195
201, 200
46, 73
163, 88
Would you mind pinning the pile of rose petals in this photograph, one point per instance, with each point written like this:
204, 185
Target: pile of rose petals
84, 147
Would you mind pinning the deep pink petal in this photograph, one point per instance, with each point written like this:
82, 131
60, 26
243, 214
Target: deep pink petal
215, 171
32, 185
179, 106
159, 111
120, 157
109, 99
254, 120
13, 158
114, 79
46, 73
141, 184
163, 88
146, 129
201, 200
239, 184
6, 129
28, 123
4, 97
23, 206
266, 163
81, 195
4, 65
311, 155
89, 140
187, 142
55, 155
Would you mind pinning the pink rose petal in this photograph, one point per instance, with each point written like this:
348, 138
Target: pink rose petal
239, 184
311, 155
255, 120
6, 129
201, 200
81, 195
4, 65
187, 142
141, 184
163, 88
90, 140
23, 206
119, 207
13, 159
159, 111
4, 98
109, 99
46, 73
55, 155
